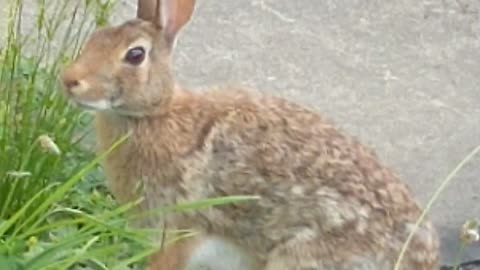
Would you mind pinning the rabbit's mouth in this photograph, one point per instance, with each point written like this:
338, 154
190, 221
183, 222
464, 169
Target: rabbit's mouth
94, 105
112, 105
107, 105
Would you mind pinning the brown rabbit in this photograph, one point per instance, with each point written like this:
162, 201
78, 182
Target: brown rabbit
326, 202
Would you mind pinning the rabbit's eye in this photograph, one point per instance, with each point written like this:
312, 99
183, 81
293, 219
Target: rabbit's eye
135, 56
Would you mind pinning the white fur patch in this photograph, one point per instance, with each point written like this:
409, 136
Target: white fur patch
297, 190
218, 254
101, 104
143, 42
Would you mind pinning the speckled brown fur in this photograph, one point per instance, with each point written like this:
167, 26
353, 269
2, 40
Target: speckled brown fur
326, 201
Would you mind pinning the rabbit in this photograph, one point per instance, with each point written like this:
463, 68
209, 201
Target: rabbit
325, 201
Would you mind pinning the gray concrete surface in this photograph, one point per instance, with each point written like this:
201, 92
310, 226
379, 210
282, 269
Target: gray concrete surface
403, 76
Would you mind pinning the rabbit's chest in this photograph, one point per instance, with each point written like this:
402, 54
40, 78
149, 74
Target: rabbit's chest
163, 179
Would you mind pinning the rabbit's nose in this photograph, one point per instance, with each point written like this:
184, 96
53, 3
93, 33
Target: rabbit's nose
71, 83
75, 86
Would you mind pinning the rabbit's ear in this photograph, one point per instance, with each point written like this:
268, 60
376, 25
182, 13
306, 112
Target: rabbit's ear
168, 15
173, 15
146, 9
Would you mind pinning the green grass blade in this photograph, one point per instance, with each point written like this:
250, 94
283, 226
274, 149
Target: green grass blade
190, 206
4, 227
63, 189
430, 203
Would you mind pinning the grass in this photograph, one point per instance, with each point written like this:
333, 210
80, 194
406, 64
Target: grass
31, 108
55, 212
429, 206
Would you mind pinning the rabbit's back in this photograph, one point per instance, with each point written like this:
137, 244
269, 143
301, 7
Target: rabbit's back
314, 182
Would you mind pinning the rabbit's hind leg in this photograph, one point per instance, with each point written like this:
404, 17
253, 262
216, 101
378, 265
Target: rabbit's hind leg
174, 256
204, 253
310, 252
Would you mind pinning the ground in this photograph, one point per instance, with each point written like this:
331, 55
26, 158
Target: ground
402, 76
